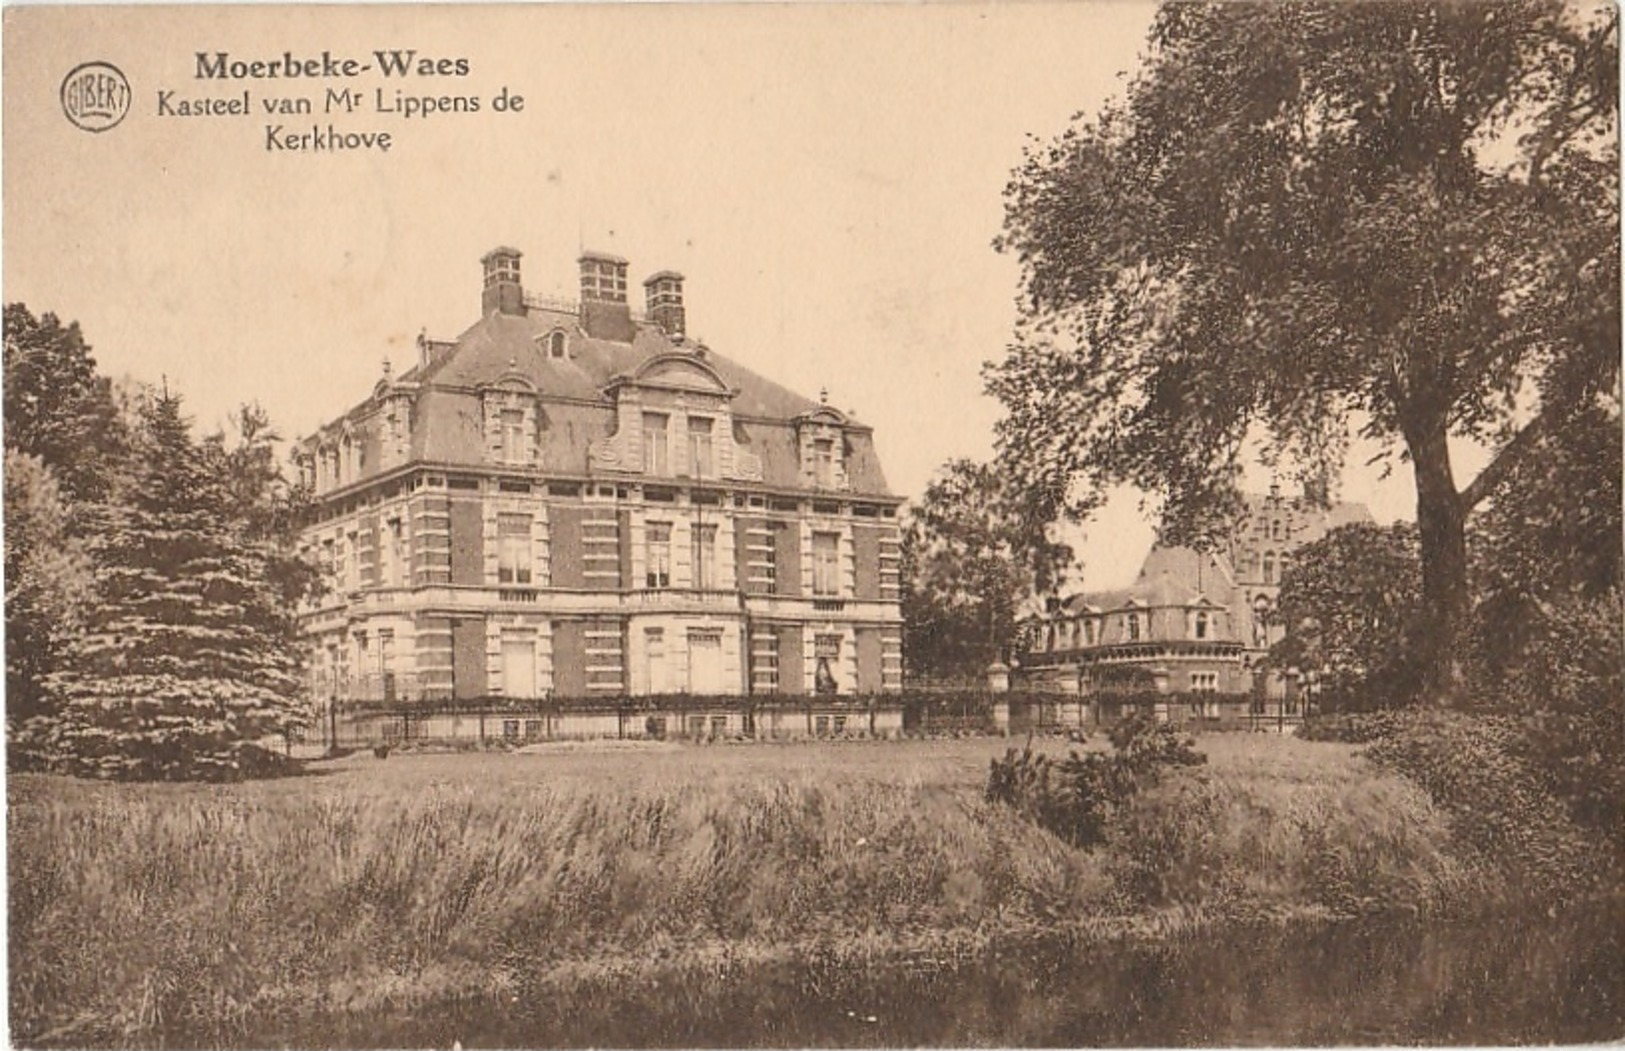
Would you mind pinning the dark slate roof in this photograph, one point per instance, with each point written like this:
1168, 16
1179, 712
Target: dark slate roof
483, 354
446, 423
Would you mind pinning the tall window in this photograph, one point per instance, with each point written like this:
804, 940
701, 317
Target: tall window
555, 345
519, 663
705, 556
394, 553
352, 563
654, 444
658, 555
824, 462
654, 656
1133, 620
513, 434
1269, 567
827, 651
1201, 624
826, 563
513, 549
386, 663
699, 447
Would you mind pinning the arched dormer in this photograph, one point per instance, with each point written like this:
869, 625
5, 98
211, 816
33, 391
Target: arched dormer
821, 442
392, 420
512, 419
677, 372
674, 418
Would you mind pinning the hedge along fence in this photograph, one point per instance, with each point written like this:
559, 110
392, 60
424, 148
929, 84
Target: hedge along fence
661, 715
916, 713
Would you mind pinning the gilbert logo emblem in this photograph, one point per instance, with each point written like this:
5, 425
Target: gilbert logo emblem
95, 96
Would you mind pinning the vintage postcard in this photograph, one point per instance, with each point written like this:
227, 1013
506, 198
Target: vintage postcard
872, 524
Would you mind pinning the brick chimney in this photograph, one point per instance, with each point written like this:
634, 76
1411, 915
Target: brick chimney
503, 293
663, 293
604, 312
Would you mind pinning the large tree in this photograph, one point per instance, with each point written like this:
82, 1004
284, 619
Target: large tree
57, 406
189, 652
1310, 219
973, 552
49, 581
1350, 605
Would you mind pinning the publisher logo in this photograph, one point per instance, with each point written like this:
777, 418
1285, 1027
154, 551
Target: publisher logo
95, 96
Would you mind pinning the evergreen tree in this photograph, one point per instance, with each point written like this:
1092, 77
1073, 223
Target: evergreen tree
189, 654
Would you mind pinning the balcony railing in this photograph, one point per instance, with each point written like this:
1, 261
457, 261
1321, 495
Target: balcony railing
709, 597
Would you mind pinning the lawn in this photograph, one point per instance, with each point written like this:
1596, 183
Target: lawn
211, 915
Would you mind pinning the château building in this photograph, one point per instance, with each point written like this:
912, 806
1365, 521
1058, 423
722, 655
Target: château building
576, 501
1196, 622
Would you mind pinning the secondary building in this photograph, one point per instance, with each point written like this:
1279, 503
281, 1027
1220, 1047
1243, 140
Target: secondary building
1194, 623
573, 501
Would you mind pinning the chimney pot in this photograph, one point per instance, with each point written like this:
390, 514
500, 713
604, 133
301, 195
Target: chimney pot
604, 312
503, 293
663, 293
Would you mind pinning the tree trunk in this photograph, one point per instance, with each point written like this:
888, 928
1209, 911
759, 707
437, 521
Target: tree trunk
1446, 600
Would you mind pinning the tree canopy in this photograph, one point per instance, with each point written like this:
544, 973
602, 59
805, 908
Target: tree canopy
151, 578
1350, 605
972, 553
1306, 221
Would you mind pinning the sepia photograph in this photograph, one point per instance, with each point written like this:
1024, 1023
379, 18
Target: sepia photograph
876, 525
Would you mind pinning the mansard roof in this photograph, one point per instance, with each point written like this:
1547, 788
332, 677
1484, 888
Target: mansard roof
576, 390
482, 353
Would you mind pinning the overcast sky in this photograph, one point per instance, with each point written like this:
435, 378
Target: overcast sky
828, 178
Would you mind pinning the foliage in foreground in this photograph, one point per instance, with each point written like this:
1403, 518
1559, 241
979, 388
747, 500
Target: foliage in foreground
1076, 797
161, 914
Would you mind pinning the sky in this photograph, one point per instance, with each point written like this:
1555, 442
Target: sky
828, 178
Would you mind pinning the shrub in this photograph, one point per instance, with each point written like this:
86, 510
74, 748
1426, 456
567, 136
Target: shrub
1475, 767
1076, 797
1351, 727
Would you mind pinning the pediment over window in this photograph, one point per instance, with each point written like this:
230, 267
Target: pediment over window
825, 415
512, 381
682, 372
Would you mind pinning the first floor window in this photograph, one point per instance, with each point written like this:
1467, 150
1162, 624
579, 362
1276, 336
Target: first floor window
513, 549
658, 555
826, 564
705, 556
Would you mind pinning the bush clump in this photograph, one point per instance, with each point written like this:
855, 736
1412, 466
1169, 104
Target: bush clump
1076, 797
1476, 768
1352, 727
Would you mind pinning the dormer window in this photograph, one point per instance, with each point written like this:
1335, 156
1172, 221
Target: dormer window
513, 434
555, 344
1201, 631
824, 463
1133, 627
655, 439
700, 459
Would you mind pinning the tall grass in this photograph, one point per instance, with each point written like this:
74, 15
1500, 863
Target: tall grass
213, 916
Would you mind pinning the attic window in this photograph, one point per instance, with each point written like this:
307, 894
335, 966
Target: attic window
555, 344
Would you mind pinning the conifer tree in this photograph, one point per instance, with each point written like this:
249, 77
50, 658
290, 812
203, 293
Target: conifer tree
189, 654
